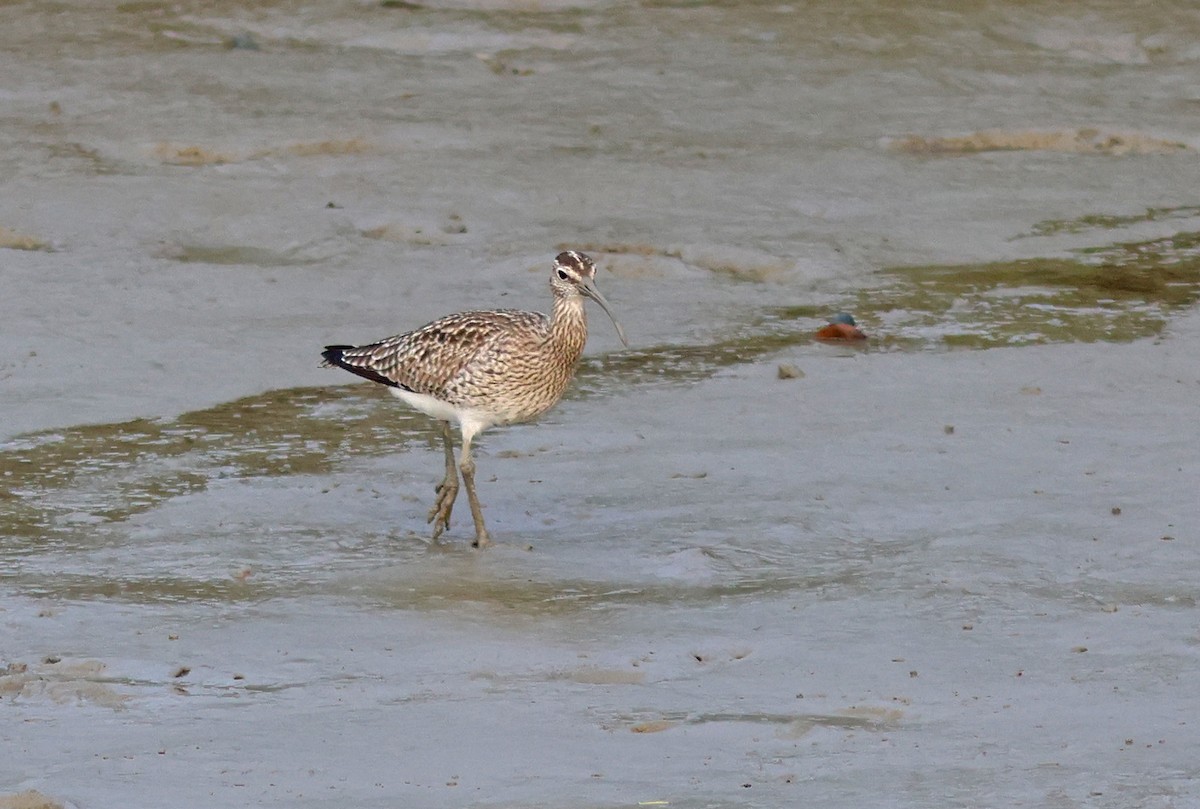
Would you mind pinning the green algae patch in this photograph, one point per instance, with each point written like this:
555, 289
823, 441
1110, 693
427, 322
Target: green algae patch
59, 485
159, 589
686, 363
1067, 141
1116, 293
426, 586
1081, 224
235, 255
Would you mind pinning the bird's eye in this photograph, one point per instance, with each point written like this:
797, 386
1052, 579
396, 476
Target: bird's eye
562, 275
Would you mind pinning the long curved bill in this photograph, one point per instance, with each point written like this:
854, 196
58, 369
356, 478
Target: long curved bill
589, 289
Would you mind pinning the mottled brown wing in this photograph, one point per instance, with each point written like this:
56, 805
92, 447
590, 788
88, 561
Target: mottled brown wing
428, 359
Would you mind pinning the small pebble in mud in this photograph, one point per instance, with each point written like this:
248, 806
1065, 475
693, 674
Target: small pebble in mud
501, 67
788, 371
454, 224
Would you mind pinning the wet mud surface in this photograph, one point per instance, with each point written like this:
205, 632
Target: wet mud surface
735, 566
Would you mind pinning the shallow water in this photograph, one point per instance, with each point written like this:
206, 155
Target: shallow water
951, 568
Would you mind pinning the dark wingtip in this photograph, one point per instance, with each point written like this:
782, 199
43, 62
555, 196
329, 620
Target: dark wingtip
333, 356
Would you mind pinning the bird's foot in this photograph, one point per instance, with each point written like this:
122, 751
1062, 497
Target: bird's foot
439, 515
482, 539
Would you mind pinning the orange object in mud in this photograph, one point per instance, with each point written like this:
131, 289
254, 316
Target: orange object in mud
841, 329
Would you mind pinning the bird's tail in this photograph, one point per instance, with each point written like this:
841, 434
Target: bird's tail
334, 356
337, 356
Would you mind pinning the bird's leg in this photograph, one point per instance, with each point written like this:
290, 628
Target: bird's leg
447, 490
467, 465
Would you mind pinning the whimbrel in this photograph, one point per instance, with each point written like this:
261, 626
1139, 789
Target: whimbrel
481, 369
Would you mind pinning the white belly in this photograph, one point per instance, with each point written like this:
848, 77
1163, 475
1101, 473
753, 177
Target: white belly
427, 404
469, 420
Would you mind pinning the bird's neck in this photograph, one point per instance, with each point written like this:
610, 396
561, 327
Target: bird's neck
568, 326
